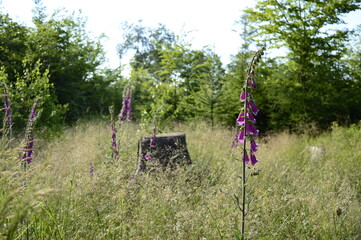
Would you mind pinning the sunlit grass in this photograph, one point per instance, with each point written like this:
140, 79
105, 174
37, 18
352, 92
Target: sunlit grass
297, 198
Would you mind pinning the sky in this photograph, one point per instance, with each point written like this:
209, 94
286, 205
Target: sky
210, 22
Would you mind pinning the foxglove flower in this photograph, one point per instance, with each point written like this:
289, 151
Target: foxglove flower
245, 157
254, 160
243, 96
251, 81
241, 136
246, 119
28, 151
147, 157
248, 130
240, 119
126, 111
253, 107
253, 146
129, 108
114, 134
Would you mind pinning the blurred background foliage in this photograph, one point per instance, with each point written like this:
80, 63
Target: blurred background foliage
315, 83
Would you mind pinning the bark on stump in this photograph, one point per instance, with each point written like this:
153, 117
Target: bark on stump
170, 150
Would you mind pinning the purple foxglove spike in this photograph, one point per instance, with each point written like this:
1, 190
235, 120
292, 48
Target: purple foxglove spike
33, 112
254, 160
245, 157
240, 137
240, 119
129, 108
254, 146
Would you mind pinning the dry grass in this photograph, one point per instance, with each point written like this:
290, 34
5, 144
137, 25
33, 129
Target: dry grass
298, 198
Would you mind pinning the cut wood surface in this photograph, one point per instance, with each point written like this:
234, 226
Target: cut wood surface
170, 150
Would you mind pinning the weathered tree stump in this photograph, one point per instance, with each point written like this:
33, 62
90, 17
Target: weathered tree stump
170, 150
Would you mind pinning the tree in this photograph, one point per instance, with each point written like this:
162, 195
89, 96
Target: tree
311, 84
62, 45
236, 71
13, 47
147, 43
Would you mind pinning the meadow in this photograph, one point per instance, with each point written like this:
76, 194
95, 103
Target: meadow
294, 196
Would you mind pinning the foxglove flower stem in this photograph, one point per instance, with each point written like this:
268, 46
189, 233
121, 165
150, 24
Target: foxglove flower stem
248, 130
114, 135
126, 111
28, 150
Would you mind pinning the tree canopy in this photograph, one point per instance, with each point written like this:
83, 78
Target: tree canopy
316, 83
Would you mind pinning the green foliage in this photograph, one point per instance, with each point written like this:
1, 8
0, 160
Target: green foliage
62, 49
13, 48
147, 44
63, 46
311, 83
29, 85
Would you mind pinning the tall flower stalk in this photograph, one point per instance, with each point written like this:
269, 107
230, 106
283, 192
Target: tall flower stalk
114, 134
248, 131
124, 115
7, 126
126, 111
28, 150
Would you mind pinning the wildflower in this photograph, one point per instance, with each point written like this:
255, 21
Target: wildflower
254, 160
245, 157
251, 81
147, 157
254, 146
114, 134
240, 119
28, 151
243, 96
251, 117
246, 120
253, 130
241, 136
126, 111
253, 107
129, 108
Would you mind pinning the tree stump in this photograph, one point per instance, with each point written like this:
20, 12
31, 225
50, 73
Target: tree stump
170, 150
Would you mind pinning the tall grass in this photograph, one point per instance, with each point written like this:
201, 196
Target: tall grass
299, 198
